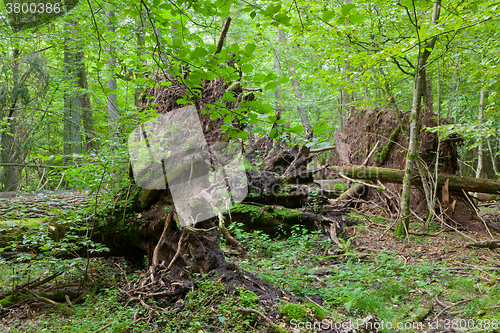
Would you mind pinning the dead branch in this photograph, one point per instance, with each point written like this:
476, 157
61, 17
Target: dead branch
489, 244
162, 239
223, 34
263, 316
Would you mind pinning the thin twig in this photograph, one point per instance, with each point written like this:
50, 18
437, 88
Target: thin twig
162, 238
179, 244
452, 305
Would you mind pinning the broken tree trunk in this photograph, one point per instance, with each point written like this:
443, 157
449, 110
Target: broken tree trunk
456, 183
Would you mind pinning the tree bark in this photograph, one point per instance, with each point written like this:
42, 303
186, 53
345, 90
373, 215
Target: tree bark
111, 82
11, 150
453, 88
404, 223
456, 183
72, 98
87, 115
479, 168
480, 147
77, 106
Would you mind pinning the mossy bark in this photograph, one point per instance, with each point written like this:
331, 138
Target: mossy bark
418, 92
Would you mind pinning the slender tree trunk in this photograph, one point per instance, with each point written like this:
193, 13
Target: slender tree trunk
429, 100
392, 101
493, 159
277, 71
72, 100
453, 88
298, 92
140, 54
111, 82
277, 91
480, 147
412, 154
345, 99
87, 115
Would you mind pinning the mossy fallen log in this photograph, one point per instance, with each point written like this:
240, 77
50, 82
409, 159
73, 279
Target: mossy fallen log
456, 183
273, 219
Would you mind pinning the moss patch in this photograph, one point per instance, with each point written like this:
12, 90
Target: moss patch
10, 300
294, 311
267, 218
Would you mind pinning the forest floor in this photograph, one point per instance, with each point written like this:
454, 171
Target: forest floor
421, 284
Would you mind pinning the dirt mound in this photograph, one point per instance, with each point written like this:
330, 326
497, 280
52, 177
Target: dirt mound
163, 99
365, 128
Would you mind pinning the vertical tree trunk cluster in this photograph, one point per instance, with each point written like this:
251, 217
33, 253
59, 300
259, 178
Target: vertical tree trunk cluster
78, 118
11, 152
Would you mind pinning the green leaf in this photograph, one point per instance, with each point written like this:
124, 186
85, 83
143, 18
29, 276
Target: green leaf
271, 76
266, 107
320, 129
346, 8
328, 15
212, 48
227, 120
297, 129
273, 133
243, 135
272, 9
208, 76
198, 52
247, 68
259, 77
270, 86
283, 80
357, 18
252, 15
282, 18
249, 48
229, 97
235, 48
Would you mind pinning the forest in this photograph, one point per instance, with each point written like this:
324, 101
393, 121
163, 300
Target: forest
249, 166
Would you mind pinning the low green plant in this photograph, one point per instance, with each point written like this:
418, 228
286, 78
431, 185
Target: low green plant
293, 311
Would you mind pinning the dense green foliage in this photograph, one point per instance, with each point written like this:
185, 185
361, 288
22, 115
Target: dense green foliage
366, 50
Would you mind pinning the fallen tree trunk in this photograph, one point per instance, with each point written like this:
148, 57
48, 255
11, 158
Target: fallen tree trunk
456, 183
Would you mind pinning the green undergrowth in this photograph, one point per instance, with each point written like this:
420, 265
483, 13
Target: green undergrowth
99, 313
383, 284
340, 286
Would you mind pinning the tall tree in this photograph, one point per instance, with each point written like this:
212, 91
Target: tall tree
10, 153
72, 100
77, 105
113, 116
480, 141
425, 49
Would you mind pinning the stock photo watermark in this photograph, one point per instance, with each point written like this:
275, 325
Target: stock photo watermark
205, 180
377, 325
